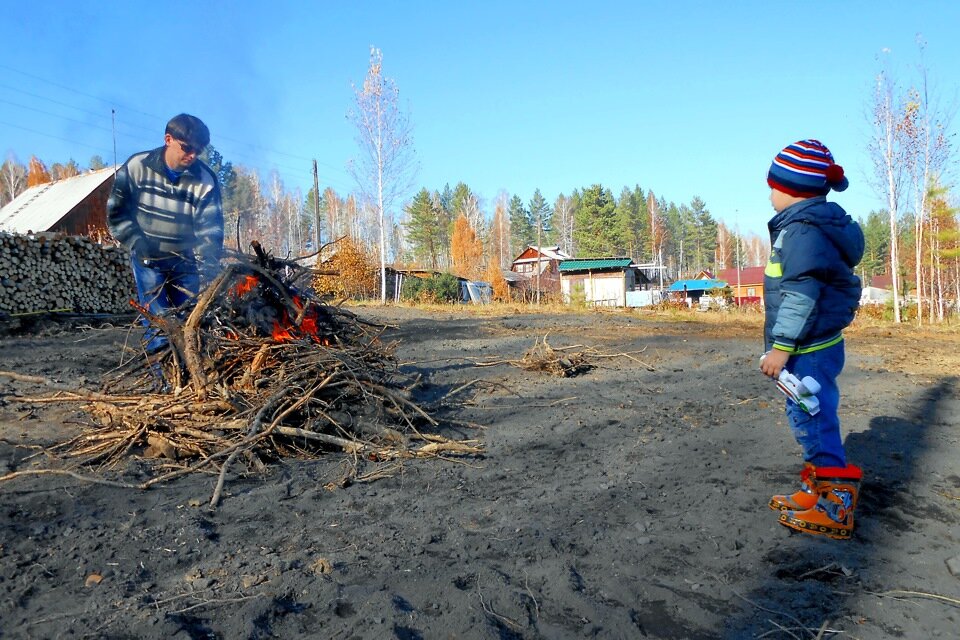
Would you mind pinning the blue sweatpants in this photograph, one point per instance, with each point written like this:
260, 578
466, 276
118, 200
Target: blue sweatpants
819, 435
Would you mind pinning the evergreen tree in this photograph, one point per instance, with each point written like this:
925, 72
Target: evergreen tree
876, 254
96, 163
626, 225
522, 232
423, 228
540, 216
704, 235
594, 222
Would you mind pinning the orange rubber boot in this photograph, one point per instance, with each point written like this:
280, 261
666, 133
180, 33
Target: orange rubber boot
803, 499
832, 515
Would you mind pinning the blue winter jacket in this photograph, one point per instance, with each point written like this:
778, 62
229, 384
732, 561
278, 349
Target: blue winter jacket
809, 288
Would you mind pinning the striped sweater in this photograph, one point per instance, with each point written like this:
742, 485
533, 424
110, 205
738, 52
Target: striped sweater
154, 216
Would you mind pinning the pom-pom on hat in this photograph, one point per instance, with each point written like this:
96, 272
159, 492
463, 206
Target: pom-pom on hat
806, 169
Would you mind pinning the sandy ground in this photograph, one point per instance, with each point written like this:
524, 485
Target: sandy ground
628, 502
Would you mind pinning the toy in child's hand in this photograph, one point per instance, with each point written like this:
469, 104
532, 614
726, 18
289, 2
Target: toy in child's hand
801, 391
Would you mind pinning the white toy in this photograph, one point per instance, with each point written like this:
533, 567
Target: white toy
802, 391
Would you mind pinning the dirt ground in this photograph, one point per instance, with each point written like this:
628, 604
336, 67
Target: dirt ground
627, 502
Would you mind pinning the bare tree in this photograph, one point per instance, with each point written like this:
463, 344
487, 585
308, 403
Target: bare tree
887, 150
13, 179
563, 222
927, 140
499, 238
385, 168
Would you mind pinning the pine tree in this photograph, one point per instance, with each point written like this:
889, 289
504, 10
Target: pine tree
594, 222
521, 227
423, 228
540, 215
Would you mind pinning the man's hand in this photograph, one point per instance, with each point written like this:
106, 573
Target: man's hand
773, 362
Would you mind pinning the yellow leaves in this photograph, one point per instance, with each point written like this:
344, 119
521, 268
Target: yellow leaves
466, 250
37, 173
356, 268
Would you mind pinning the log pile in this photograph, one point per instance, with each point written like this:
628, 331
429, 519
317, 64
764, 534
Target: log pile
52, 272
260, 369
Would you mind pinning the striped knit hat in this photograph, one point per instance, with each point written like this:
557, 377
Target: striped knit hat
806, 169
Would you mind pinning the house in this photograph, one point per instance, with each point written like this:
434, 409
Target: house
604, 282
747, 285
543, 260
691, 290
879, 291
74, 206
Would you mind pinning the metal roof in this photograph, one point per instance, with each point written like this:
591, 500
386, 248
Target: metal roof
41, 207
594, 264
553, 253
697, 285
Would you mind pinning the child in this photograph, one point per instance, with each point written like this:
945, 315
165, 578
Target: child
810, 295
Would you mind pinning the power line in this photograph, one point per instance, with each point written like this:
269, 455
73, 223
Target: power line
155, 117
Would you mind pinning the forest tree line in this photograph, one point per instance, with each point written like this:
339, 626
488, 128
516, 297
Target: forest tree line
590, 221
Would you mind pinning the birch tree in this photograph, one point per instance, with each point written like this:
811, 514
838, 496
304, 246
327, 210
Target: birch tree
928, 150
384, 170
13, 179
499, 238
563, 223
887, 150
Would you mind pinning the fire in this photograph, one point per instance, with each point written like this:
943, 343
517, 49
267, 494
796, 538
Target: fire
245, 286
285, 330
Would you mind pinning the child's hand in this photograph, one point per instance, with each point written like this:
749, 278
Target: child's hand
773, 362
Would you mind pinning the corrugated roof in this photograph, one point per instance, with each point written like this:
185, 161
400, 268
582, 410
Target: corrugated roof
697, 285
41, 207
594, 264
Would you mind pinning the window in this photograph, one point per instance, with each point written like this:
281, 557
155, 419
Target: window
751, 292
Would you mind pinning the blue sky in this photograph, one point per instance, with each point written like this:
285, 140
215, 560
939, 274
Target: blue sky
685, 98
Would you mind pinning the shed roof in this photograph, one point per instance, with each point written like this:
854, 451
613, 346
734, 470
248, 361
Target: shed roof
594, 264
697, 285
41, 207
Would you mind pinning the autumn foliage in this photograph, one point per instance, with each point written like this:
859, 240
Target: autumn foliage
357, 268
466, 250
37, 174
501, 289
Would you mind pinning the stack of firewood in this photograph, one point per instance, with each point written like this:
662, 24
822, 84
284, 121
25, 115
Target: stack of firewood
50, 272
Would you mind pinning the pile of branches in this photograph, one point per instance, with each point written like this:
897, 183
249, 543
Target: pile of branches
562, 362
542, 357
258, 369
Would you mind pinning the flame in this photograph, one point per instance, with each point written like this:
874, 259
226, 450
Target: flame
245, 286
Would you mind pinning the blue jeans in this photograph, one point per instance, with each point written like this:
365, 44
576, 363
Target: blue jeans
163, 285
819, 435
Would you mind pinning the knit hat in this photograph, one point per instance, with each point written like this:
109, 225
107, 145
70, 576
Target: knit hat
806, 169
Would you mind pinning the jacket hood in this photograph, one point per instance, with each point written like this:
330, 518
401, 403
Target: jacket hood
843, 232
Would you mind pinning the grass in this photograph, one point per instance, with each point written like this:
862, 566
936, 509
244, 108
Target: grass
745, 318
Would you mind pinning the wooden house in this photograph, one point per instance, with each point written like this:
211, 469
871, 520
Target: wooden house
747, 287
604, 282
74, 206
544, 261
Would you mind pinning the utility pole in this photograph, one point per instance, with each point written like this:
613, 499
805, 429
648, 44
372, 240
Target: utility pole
316, 204
539, 228
739, 294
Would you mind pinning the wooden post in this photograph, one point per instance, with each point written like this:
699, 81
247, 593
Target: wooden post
316, 205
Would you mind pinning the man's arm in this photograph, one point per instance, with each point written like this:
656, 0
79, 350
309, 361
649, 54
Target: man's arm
121, 212
208, 229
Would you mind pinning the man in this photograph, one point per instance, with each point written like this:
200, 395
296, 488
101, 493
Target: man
165, 208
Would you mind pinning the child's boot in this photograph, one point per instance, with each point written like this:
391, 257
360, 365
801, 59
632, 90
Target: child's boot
804, 498
832, 516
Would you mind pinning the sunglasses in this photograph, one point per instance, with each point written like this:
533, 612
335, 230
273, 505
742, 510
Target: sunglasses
189, 148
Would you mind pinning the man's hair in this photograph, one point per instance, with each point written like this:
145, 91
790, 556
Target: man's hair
189, 129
